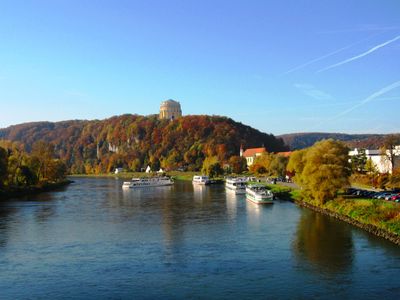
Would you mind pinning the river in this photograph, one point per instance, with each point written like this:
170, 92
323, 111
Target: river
93, 240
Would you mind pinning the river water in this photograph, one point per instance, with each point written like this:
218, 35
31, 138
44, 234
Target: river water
93, 240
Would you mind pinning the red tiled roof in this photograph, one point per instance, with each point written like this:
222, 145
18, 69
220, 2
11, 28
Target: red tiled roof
253, 151
285, 154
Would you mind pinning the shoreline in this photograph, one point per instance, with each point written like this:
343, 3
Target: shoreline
392, 237
33, 190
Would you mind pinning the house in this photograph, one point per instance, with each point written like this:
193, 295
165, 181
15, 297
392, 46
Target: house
251, 154
379, 159
118, 170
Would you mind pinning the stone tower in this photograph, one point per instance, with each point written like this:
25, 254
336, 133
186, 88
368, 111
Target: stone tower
170, 110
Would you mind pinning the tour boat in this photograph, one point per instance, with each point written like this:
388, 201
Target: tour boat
238, 185
147, 182
201, 179
259, 194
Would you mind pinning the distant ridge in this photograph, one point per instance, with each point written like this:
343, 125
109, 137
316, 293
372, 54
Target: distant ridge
297, 141
134, 141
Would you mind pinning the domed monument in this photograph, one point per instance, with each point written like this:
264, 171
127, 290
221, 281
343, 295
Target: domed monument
170, 110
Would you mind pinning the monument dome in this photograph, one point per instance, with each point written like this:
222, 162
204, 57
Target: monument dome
170, 110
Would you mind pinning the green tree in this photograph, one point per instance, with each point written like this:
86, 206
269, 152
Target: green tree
3, 166
238, 164
135, 165
212, 167
324, 170
43, 153
389, 148
278, 165
262, 164
25, 176
57, 170
395, 178
359, 161
296, 165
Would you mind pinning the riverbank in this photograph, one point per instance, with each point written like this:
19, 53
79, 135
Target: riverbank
379, 217
380, 230
32, 190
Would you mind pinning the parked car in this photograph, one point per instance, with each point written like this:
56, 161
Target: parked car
382, 195
396, 198
389, 197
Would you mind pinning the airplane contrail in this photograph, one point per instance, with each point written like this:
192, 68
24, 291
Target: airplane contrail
373, 49
327, 55
365, 101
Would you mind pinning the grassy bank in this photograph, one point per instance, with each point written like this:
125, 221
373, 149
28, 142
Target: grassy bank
379, 217
380, 213
32, 190
376, 216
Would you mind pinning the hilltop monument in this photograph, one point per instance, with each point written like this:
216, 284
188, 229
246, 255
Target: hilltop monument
170, 110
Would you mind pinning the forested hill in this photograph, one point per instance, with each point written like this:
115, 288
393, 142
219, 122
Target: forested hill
133, 141
303, 140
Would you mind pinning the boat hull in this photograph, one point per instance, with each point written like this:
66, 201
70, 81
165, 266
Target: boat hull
235, 189
258, 195
146, 183
257, 200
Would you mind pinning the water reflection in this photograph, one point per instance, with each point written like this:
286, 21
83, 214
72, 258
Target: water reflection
200, 192
231, 203
324, 242
5, 215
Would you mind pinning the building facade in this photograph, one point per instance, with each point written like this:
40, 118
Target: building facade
381, 161
170, 110
251, 154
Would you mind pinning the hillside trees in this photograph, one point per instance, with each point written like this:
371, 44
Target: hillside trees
133, 141
321, 170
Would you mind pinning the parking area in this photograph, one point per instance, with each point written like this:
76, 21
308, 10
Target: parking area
390, 195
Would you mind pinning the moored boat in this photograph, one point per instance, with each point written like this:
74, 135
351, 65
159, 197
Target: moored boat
238, 185
259, 194
148, 182
200, 179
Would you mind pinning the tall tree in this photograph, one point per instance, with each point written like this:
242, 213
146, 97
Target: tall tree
278, 165
322, 170
3, 166
238, 164
358, 161
44, 153
212, 167
389, 150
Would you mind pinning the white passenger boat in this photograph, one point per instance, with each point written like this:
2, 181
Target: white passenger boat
201, 179
259, 194
148, 182
238, 185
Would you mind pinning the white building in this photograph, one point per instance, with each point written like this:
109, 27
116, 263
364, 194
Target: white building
380, 160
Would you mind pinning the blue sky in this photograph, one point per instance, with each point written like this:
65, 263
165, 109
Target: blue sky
279, 66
